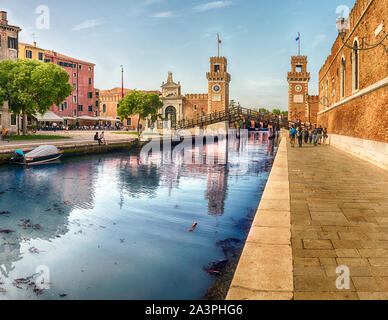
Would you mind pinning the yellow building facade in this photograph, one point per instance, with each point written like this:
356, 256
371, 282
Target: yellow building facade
31, 52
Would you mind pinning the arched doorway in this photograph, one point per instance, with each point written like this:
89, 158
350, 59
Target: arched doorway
171, 115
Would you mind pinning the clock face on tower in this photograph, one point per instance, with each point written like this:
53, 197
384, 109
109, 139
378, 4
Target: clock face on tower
216, 88
298, 88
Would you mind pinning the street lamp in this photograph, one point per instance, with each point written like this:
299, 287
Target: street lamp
122, 81
343, 25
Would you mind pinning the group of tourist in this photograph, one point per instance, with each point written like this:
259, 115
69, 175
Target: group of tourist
100, 138
315, 136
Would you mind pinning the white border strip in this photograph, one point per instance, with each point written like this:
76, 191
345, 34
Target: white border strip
380, 84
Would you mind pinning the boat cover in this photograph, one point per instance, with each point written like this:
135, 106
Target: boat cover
18, 151
42, 151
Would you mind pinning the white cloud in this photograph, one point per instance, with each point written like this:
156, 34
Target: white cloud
164, 14
87, 24
212, 5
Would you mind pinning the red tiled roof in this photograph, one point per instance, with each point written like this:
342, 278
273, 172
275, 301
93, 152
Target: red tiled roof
62, 56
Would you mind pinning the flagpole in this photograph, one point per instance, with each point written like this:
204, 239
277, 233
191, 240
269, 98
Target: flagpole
299, 44
218, 44
122, 81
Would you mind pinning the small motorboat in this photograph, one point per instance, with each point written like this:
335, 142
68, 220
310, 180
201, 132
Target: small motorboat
41, 154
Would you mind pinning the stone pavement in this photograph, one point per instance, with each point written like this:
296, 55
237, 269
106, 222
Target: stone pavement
339, 216
77, 138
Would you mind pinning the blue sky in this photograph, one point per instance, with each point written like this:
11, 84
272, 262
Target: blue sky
152, 37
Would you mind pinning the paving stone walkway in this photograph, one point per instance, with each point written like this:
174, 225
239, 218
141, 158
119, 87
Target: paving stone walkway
339, 216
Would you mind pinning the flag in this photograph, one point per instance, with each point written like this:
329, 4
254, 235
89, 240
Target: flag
297, 39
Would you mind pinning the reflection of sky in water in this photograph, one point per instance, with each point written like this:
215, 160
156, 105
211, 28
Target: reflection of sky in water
110, 227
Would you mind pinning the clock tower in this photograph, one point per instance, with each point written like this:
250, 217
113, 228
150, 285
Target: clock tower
219, 79
298, 92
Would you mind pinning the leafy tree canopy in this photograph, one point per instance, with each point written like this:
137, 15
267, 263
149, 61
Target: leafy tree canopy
138, 103
32, 87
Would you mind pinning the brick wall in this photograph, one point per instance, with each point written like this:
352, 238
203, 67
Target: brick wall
191, 100
365, 117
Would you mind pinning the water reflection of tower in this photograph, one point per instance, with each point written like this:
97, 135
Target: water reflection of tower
217, 178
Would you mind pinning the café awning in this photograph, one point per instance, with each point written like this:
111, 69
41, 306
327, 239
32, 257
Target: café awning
48, 116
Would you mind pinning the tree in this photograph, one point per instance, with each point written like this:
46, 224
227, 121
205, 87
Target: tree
32, 87
285, 113
142, 104
263, 110
276, 112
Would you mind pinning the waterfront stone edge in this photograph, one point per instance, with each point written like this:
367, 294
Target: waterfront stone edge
265, 269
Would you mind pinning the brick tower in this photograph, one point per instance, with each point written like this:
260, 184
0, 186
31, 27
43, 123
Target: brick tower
219, 79
298, 81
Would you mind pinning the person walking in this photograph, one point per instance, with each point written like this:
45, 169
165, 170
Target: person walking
300, 136
306, 135
293, 133
325, 135
311, 134
320, 133
315, 136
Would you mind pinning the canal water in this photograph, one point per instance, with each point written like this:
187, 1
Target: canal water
117, 226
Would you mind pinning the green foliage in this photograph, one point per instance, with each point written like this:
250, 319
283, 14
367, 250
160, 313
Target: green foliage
285, 113
276, 112
37, 137
263, 110
138, 103
32, 87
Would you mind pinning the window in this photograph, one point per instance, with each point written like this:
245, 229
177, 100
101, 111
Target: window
195, 107
12, 43
80, 67
40, 56
298, 68
90, 81
90, 95
97, 104
90, 108
75, 75
90, 68
216, 68
75, 99
80, 107
355, 66
28, 54
13, 120
60, 108
65, 104
104, 108
342, 74
327, 92
75, 112
65, 64
47, 60
74, 86
129, 121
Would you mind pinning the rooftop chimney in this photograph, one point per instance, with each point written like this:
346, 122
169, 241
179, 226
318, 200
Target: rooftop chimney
3, 17
35, 44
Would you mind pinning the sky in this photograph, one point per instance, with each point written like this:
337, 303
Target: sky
152, 37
